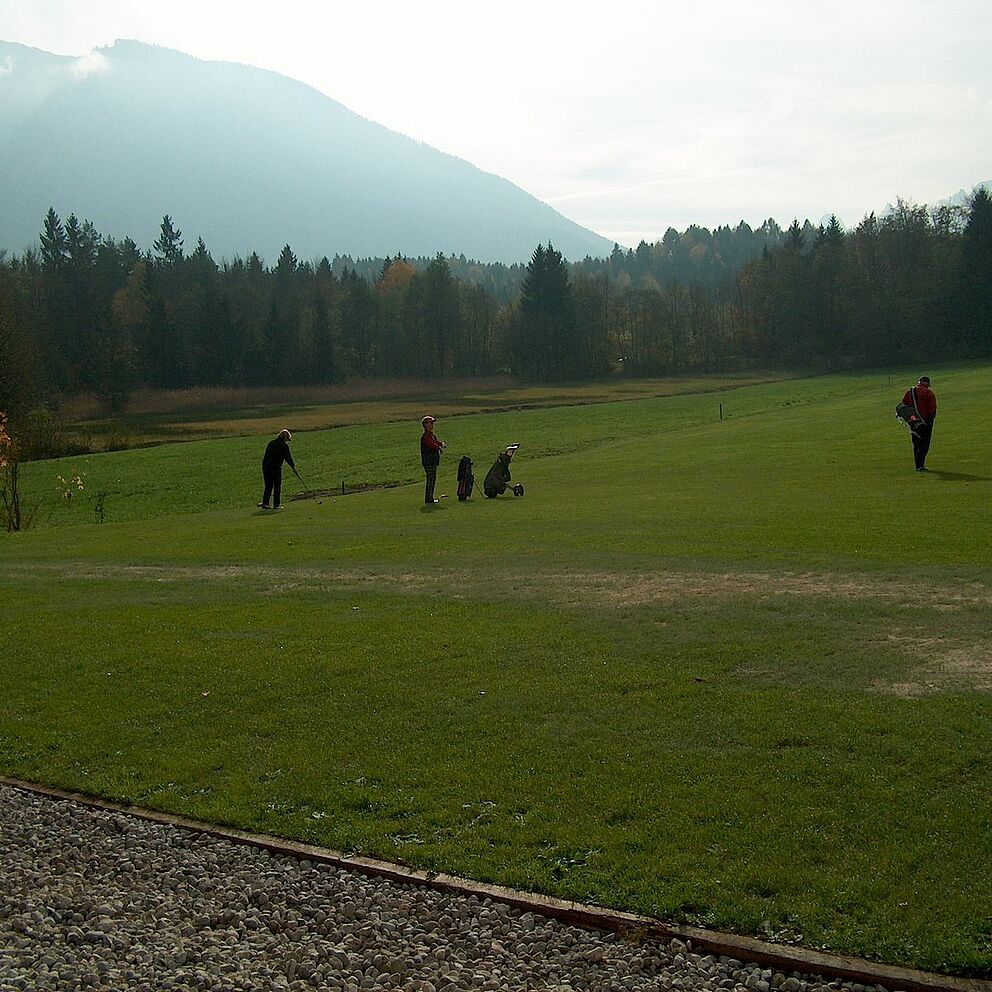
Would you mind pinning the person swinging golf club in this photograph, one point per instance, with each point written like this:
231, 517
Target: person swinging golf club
430, 457
276, 452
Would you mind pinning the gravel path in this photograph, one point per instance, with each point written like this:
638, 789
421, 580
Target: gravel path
98, 900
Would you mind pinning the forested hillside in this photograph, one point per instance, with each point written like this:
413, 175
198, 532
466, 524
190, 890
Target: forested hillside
88, 313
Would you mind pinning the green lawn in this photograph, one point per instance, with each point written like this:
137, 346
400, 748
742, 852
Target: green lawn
730, 672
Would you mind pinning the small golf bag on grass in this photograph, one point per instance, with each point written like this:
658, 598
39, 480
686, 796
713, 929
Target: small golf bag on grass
466, 480
498, 477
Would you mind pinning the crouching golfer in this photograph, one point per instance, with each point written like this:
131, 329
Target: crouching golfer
430, 458
276, 452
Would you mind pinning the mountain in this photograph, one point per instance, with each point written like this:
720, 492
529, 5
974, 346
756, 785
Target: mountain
246, 159
962, 198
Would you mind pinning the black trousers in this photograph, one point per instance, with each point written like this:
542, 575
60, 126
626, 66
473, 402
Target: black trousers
431, 472
921, 444
273, 485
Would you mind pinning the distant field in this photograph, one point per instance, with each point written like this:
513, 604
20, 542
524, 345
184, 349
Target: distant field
153, 417
734, 672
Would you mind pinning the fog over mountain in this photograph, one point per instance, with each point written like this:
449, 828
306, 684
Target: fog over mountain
246, 159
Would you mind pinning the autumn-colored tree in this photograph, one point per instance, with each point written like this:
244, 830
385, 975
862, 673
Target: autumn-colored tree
396, 276
9, 492
396, 352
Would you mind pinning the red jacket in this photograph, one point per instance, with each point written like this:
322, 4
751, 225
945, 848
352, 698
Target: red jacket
926, 401
430, 449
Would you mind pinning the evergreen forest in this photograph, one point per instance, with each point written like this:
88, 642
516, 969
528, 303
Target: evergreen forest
84, 313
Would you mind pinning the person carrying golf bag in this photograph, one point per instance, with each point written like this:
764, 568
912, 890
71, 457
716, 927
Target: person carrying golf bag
276, 452
918, 411
498, 477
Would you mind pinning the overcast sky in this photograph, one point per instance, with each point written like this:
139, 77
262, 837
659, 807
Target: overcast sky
628, 116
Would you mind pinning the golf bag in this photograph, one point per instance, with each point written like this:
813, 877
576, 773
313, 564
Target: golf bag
909, 418
498, 477
466, 480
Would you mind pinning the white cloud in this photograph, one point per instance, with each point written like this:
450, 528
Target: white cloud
7, 66
87, 65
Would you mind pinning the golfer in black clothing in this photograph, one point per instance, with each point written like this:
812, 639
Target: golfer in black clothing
276, 452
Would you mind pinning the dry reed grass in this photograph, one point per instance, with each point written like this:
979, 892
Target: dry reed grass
164, 401
494, 389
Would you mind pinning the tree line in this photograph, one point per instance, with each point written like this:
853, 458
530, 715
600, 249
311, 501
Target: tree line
88, 313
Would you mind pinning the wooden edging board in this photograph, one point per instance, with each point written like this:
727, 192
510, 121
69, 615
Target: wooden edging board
745, 949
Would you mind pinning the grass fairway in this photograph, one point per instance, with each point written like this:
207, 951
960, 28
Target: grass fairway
736, 673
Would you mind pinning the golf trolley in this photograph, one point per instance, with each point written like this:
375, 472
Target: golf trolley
498, 477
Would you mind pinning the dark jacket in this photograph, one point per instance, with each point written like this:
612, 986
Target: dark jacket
277, 452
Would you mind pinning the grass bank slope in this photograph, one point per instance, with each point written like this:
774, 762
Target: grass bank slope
736, 673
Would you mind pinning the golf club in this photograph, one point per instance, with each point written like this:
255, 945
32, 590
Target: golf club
309, 491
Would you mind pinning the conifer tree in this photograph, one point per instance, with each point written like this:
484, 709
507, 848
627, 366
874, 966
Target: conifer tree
976, 294
441, 305
169, 244
54, 247
546, 315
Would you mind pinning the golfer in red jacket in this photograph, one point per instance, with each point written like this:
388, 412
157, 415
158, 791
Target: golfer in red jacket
430, 457
924, 401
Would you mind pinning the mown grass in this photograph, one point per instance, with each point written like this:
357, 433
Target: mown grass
736, 673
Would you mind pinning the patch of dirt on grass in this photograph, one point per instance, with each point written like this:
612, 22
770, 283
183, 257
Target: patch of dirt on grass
640, 589
958, 669
561, 588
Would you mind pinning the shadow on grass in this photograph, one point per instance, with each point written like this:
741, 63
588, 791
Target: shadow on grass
957, 476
